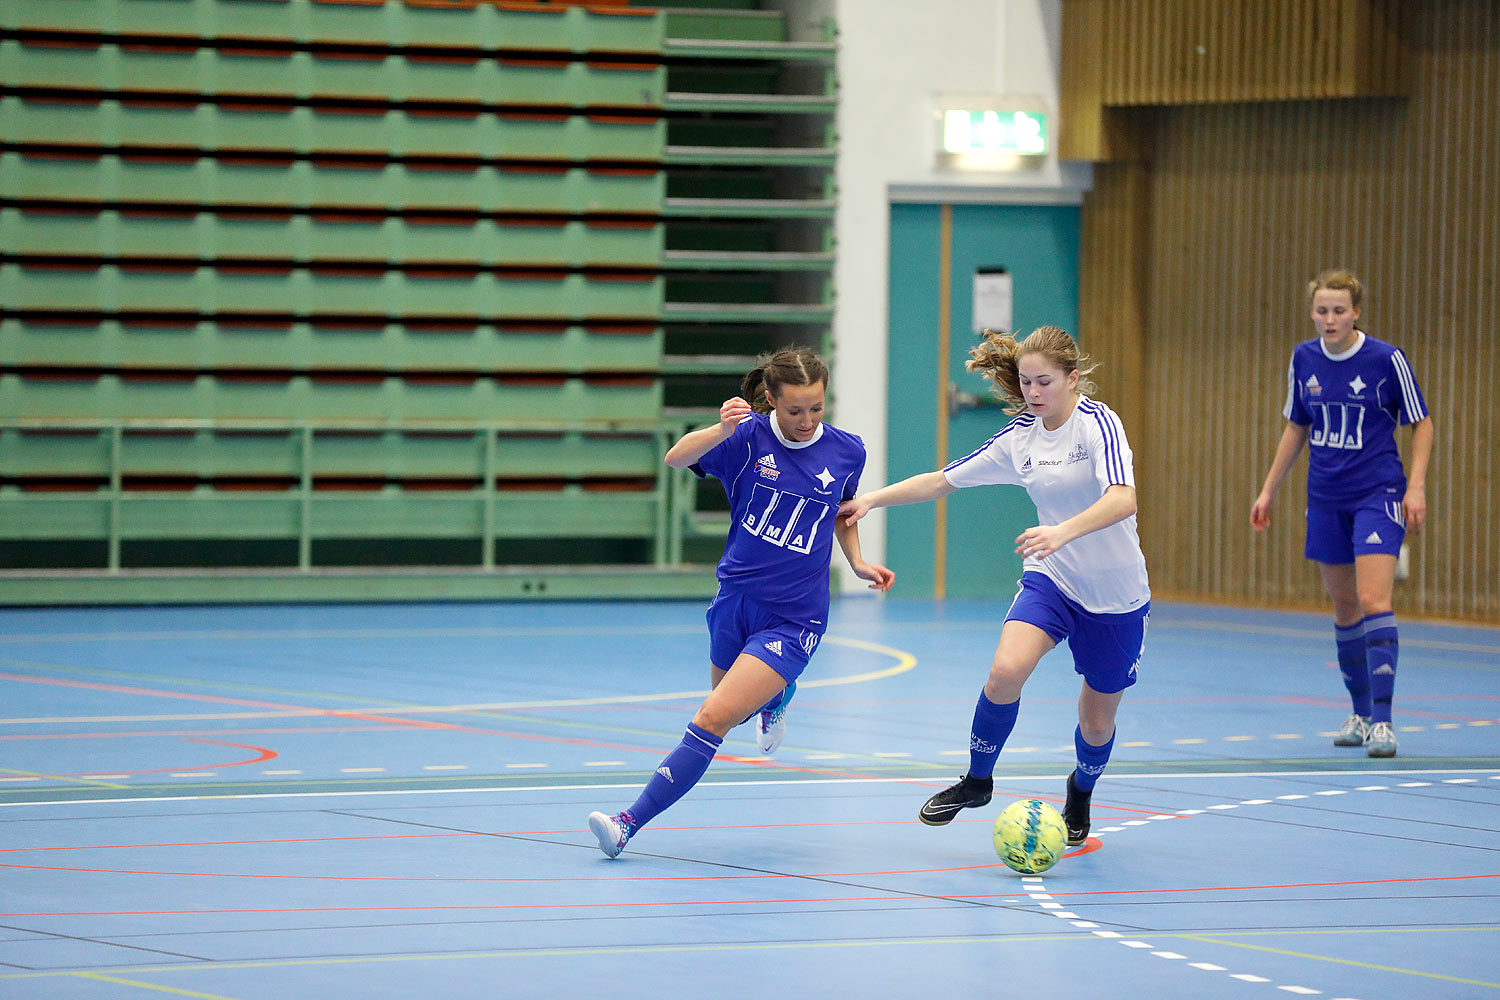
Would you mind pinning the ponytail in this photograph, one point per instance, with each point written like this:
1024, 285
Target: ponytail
791, 366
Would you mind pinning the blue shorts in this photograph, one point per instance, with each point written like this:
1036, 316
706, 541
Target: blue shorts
737, 624
1106, 648
1336, 535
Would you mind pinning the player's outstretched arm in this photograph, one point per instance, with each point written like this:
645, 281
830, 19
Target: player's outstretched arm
1117, 503
879, 577
1287, 450
927, 486
695, 444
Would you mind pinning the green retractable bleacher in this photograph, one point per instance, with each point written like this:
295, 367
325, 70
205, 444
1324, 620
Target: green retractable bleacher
298, 297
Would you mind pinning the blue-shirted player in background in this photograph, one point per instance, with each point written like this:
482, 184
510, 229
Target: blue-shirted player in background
786, 473
1346, 394
1083, 577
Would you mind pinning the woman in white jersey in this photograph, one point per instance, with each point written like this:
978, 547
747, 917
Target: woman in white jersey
1084, 577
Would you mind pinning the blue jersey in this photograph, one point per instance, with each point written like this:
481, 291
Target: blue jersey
783, 496
1352, 403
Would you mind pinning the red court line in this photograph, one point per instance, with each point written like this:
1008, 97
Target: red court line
271, 731
502, 879
262, 755
895, 896
1092, 841
150, 692
1288, 885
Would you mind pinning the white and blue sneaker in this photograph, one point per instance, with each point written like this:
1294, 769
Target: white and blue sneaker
1382, 741
1354, 732
770, 725
612, 831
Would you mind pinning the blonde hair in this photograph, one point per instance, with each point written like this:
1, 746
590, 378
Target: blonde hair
1338, 280
998, 356
790, 366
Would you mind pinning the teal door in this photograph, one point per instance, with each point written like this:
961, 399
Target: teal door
935, 252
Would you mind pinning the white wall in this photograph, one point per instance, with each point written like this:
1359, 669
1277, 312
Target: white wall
894, 58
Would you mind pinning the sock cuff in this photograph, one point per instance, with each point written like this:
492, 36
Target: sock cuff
1348, 633
1383, 622
989, 708
702, 741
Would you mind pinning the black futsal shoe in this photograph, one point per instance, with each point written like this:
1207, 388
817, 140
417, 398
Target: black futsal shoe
969, 793
1076, 813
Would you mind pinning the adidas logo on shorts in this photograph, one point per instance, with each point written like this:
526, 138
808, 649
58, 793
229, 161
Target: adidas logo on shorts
1374, 538
774, 646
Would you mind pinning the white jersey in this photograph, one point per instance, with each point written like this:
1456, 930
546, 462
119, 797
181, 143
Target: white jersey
1065, 472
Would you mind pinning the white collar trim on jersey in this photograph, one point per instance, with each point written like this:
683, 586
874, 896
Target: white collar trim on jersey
794, 445
1344, 355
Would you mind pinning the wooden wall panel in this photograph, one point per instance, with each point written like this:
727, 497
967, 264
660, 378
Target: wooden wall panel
1124, 53
1247, 201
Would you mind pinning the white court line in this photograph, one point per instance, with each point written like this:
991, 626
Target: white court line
627, 629
904, 662
702, 784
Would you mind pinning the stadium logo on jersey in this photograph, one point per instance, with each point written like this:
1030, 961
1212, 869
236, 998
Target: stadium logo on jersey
1078, 454
1358, 385
666, 772
1026, 465
1313, 386
767, 467
826, 478
774, 646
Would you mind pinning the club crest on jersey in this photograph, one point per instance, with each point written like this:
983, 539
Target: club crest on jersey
826, 478
1078, 454
767, 467
1313, 387
1357, 385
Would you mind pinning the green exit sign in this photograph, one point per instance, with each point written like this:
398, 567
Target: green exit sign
1008, 133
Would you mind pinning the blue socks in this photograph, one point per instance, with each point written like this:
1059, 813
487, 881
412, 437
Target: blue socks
992, 726
1381, 649
678, 773
1091, 760
1353, 665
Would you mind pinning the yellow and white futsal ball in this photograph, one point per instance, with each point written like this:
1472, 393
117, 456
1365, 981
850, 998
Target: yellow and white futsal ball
1030, 836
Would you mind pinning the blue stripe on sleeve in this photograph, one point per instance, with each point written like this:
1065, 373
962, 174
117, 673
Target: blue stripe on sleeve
1024, 420
1114, 463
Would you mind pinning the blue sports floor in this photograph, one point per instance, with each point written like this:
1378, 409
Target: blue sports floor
268, 803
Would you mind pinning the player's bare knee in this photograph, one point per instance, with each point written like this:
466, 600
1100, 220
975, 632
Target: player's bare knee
1003, 685
714, 720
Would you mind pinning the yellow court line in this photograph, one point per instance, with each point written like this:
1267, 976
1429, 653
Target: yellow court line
1074, 937
904, 662
150, 986
62, 777
568, 953
1348, 961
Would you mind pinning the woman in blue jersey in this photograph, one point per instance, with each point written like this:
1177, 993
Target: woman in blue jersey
1083, 579
1346, 395
786, 473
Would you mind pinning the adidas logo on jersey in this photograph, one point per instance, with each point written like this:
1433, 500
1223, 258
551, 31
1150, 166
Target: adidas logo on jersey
1313, 386
774, 646
1374, 538
1026, 466
766, 466
666, 772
